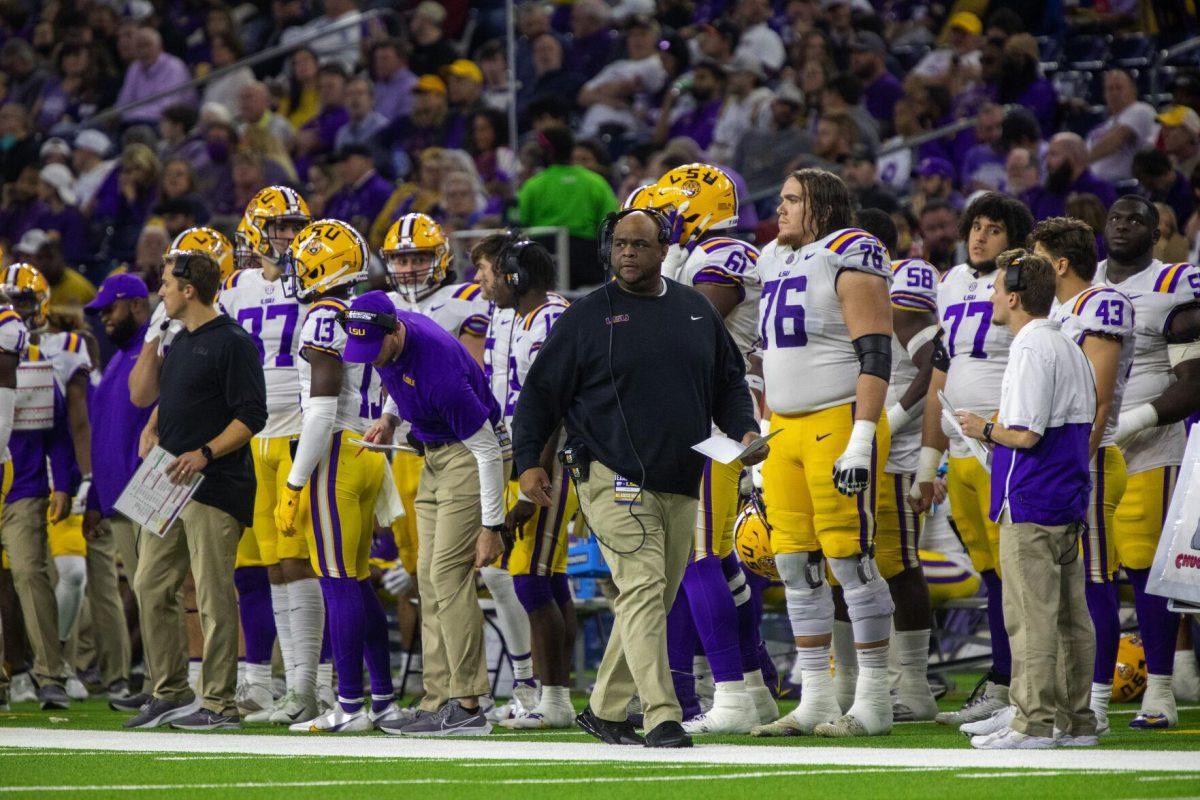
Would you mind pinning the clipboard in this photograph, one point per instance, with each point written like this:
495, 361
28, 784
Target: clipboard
724, 450
976, 447
150, 498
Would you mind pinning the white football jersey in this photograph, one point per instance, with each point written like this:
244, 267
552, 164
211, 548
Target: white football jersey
978, 349
458, 308
273, 321
808, 360
1105, 311
497, 352
1156, 292
14, 338
322, 331
68, 353
914, 288
722, 261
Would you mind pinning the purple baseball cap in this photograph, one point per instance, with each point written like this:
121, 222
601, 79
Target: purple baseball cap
370, 318
122, 286
935, 166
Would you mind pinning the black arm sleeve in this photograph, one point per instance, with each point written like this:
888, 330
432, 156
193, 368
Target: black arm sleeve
546, 394
245, 385
733, 410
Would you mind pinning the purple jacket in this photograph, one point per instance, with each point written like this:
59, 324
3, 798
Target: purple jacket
115, 443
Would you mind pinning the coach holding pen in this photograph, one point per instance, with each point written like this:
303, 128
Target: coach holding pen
639, 370
213, 399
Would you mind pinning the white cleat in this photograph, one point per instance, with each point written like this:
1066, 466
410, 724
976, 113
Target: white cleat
1185, 679
75, 688
1009, 739
22, 689
1158, 711
525, 698
917, 697
764, 703
818, 704
254, 698
545, 717
871, 712
732, 712
1000, 721
1072, 740
993, 698
264, 715
326, 698
336, 720
297, 708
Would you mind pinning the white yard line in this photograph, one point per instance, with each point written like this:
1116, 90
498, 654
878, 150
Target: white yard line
505, 749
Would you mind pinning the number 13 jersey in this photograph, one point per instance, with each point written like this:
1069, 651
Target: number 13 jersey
808, 359
978, 349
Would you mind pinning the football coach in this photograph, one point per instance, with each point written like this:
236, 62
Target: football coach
638, 371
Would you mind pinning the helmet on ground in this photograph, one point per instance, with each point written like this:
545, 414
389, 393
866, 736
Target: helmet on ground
752, 540
1130, 676
416, 253
325, 255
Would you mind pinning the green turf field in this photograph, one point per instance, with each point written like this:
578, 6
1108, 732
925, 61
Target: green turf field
79, 753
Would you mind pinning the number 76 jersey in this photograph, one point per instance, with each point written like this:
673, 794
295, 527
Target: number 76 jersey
808, 359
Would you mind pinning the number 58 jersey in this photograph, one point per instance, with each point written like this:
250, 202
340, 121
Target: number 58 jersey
273, 321
978, 349
808, 359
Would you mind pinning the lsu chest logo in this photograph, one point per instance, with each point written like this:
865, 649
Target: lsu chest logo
617, 319
409, 380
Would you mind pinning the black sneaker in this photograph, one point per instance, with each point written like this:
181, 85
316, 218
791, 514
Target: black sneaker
203, 719
606, 731
159, 712
450, 720
668, 734
53, 697
130, 702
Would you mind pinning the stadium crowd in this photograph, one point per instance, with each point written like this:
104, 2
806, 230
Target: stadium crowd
736, 134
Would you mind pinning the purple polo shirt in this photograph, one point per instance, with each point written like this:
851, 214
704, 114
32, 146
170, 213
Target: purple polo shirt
1043, 203
141, 81
699, 123
30, 451
115, 443
72, 232
393, 95
881, 95
365, 200
436, 384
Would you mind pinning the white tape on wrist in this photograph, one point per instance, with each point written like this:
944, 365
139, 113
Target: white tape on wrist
927, 464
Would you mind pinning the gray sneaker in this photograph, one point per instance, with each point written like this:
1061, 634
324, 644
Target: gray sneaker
130, 702
203, 719
450, 720
406, 717
53, 698
159, 712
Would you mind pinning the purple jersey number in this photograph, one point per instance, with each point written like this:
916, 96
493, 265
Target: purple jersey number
961, 311
289, 313
785, 308
1111, 312
371, 406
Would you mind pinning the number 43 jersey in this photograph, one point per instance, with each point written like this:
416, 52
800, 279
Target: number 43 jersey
978, 349
273, 321
808, 359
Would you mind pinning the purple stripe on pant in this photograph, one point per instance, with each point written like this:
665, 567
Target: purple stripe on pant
331, 494
314, 492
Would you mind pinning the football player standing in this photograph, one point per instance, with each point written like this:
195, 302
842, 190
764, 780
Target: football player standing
14, 338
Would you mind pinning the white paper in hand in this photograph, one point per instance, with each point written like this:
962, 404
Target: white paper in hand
382, 448
724, 450
976, 447
150, 499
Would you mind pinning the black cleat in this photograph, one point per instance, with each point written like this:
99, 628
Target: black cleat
668, 734
609, 732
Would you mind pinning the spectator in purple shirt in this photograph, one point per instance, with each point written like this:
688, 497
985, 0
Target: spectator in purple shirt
124, 201
317, 136
152, 72
429, 125
393, 80
61, 214
364, 120
1021, 81
1067, 173
592, 38
881, 89
551, 77
180, 139
20, 208
696, 116
1162, 183
364, 192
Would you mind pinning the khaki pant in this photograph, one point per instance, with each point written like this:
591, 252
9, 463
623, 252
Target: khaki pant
23, 536
109, 631
1049, 628
448, 521
204, 538
647, 569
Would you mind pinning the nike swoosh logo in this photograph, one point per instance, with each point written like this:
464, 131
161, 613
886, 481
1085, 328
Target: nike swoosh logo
435, 308
824, 436
294, 717
696, 318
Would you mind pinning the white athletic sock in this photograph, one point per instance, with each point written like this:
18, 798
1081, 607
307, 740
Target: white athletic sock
845, 662
1158, 691
258, 674
325, 674
872, 701
241, 671
68, 592
281, 609
912, 652
875, 658
513, 621
1101, 696
307, 609
193, 679
814, 659
754, 679
555, 696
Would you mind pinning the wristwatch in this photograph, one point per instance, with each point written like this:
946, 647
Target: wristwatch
500, 529
207, 452
987, 431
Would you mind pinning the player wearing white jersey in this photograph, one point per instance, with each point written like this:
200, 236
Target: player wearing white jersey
826, 328
1163, 389
1101, 320
332, 486
713, 607
969, 362
897, 526
516, 276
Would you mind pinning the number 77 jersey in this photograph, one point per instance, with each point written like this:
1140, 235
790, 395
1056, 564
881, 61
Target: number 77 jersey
978, 349
273, 321
808, 359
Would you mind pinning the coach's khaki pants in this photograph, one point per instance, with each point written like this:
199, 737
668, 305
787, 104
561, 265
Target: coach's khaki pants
23, 536
647, 569
1049, 628
448, 521
204, 538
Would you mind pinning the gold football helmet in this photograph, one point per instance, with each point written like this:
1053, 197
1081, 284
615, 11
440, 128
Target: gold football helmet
1130, 676
325, 255
702, 195
271, 209
210, 241
26, 288
246, 243
641, 197
752, 540
417, 256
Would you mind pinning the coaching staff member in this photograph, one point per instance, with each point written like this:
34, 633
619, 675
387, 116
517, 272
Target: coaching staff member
213, 399
638, 370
